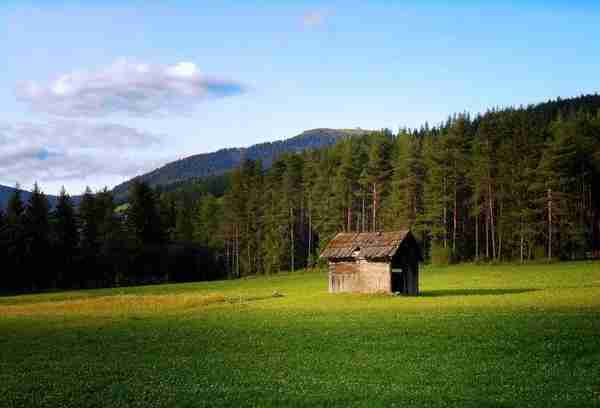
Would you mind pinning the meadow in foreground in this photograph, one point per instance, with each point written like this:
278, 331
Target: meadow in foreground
480, 336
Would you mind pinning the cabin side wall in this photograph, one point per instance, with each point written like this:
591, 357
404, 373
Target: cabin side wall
359, 276
343, 277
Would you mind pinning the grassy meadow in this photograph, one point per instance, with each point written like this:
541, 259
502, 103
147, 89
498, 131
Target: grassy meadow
479, 336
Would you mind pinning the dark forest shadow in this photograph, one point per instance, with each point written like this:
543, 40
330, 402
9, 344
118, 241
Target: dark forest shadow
474, 292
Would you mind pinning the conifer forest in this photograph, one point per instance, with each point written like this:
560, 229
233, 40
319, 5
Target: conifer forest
519, 184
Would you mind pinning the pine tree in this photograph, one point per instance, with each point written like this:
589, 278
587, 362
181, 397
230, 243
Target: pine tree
456, 145
206, 222
326, 219
15, 207
405, 206
291, 193
108, 223
65, 234
13, 242
252, 175
37, 233
168, 214
143, 216
184, 227
4, 254
483, 186
437, 193
276, 219
378, 171
90, 223
345, 185
235, 208
309, 175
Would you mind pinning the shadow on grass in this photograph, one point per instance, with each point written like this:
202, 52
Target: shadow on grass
474, 292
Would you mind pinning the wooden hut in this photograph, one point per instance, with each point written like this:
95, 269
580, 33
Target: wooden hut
370, 262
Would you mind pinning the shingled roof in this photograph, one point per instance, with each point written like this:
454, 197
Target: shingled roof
369, 245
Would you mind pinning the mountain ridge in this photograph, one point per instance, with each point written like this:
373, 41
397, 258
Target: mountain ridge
223, 160
6, 192
216, 163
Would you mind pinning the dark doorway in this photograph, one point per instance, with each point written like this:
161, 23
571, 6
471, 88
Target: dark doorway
398, 281
405, 272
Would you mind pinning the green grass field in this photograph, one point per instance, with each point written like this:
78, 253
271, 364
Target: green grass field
479, 336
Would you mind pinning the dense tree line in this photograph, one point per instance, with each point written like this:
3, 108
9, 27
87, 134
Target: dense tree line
94, 245
515, 184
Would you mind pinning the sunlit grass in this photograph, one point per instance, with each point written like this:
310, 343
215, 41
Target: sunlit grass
113, 305
478, 335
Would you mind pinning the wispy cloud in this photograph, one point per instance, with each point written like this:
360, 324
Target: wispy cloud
70, 150
315, 18
126, 87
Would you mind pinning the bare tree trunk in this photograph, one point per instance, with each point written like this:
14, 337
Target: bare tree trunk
492, 223
549, 224
349, 219
374, 207
500, 231
363, 214
292, 238
477, 236
237, 257
522, 240
248, 254
445, 217
487, 235
455, 222
227, 258
310, 235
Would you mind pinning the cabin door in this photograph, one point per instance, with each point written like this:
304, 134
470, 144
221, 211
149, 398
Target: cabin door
398, 280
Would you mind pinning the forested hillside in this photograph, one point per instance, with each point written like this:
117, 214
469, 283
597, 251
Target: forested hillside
217, 163
514, 184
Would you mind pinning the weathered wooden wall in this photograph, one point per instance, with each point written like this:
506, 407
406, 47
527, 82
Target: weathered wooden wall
359, 276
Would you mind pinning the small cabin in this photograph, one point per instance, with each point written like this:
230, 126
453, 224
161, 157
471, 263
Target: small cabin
371, 262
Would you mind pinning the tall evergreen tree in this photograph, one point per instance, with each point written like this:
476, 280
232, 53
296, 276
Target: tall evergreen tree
437, 192
65, 235
37, 236
291, 194
90, 222
276, 219
378, 171
184, 227
346, 185
143, 216
15, 207
206, 222
13, 242
405, 206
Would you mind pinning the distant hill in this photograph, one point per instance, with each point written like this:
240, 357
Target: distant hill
221, 161
6, 192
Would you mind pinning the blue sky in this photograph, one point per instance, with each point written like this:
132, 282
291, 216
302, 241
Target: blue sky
144, 83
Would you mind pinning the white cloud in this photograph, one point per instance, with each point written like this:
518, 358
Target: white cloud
183, 70
126, 87
70, 151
